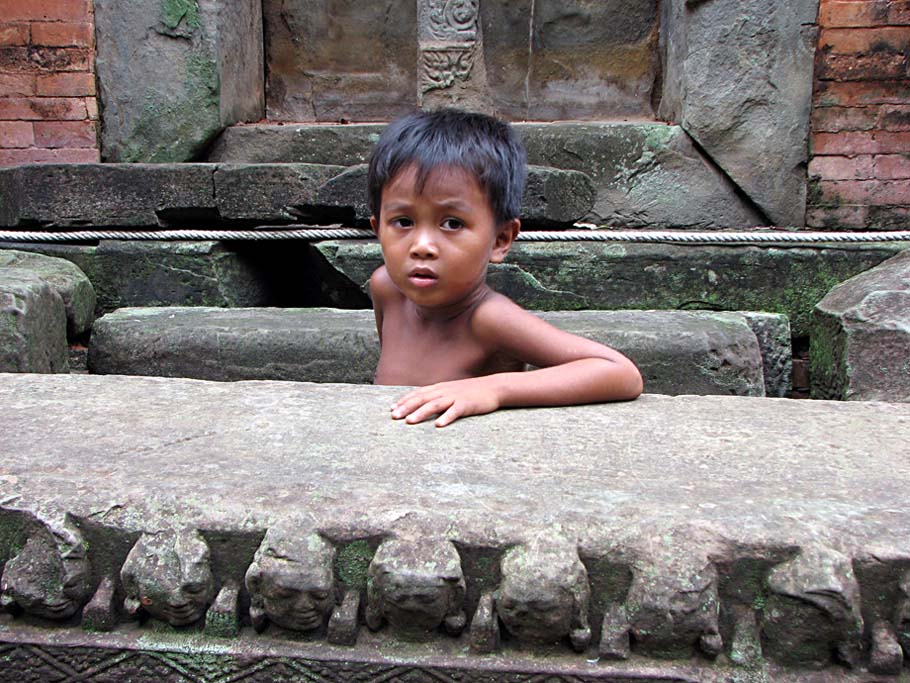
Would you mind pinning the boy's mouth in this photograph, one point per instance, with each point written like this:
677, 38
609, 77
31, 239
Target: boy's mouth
422, 277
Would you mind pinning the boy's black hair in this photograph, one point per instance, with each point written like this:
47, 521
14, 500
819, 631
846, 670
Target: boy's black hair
484, 146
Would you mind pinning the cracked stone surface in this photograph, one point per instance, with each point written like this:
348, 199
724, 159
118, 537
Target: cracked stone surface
32, 324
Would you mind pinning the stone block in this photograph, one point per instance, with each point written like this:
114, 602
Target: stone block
738, 76
106, 195
677, 352
67, 280
32, 324
614, 276
173, 73
645, 175
552, 196
269, 193
861, 340
773, 333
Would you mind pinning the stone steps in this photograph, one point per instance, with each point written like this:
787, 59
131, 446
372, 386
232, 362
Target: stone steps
696, 534
677, 352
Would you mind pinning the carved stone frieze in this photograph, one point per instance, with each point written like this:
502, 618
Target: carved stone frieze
449, 20
441, 67
450, 48
168, 575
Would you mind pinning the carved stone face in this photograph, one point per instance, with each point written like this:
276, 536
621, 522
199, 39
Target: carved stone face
169, 575
45, 580
291, 581
416, 586
543, 596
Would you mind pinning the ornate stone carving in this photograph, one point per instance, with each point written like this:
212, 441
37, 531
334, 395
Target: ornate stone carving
673, 604
448, 34
291, 581
452, 20
416, 585
544, 594
49, 577
442, 67
168, 575
813, 609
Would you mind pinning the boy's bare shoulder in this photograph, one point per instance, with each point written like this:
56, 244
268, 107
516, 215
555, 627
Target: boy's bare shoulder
381, 285
497, 312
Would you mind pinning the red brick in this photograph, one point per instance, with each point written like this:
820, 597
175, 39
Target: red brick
34, 59
859, 93
836, 13
842, 168
71, 84
13, 157
876, 66
875, 142
16, 134
894, 117
899, 12
42, 109
17, 85
847, 41
14, 34
869, 192
59, 134
833, 218
91, 106
63, 35
44, 10
888, 218
834, 119
892, 166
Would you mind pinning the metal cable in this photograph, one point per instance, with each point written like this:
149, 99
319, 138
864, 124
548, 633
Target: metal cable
339, 233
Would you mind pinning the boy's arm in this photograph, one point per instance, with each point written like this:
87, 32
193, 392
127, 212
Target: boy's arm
380, 282
573, 370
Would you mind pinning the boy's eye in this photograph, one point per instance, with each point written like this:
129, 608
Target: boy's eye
452, 224
401, 222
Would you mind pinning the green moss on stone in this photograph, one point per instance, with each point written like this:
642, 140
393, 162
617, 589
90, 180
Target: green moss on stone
353, 562
175, 11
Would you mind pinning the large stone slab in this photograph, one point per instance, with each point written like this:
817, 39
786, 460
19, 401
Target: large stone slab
766, 535
677, 352
177, 273
611, 276
861, 340
171, 74
32, 324
67, 280
645, 174
738, 77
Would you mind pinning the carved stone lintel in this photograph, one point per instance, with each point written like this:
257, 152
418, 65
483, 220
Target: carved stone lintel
100, 614
223, 617
343, 624
484, 635
885, 657
614, 634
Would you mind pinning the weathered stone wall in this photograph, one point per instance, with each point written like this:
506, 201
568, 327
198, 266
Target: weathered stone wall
48, 109
860, 170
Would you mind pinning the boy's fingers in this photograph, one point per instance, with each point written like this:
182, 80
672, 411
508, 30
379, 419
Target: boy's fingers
427, 410
449, 416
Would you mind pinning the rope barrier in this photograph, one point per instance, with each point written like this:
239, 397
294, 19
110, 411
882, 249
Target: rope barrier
588, 235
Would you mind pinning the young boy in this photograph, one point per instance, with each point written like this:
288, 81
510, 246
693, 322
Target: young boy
445, 190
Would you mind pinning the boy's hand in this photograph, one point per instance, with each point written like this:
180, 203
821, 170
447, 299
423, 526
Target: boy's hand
449, 400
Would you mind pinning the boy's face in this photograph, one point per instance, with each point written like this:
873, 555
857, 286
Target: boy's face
437, 243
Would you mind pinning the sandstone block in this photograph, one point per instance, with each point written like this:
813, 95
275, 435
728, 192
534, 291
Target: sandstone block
32, 324
67, 280
615, 276
172, 73
861, 339
677, 352
738, 76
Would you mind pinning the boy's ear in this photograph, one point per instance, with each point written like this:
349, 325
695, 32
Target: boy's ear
374, 225
505, 236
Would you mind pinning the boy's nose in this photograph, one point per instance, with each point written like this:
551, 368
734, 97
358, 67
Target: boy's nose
423, 244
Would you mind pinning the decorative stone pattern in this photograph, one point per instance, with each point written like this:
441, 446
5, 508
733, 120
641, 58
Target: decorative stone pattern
646, 559
48, 108
859, 174
861, 341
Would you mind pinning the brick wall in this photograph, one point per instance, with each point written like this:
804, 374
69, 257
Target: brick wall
860, 167
48, 108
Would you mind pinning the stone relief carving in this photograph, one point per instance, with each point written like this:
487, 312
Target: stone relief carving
442, 67
291, 581
813, 609
49, 577
544, 594
168, 575
452, 20
447, 37
416, 585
